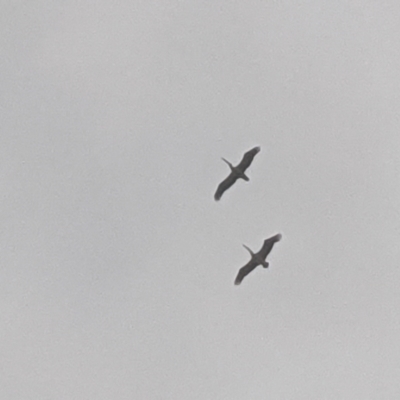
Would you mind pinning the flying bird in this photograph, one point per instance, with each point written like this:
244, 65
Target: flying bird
257, 258
236, 172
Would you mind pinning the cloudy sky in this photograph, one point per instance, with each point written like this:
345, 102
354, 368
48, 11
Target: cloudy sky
117, 265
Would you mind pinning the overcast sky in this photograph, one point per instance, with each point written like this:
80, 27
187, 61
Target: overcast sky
116, 263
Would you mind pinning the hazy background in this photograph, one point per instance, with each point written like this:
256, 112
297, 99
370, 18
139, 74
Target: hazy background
117, 265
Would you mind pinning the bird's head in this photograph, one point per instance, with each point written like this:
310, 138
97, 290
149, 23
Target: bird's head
249, 250
230, 165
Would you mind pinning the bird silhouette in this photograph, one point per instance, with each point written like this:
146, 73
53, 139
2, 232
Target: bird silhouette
257, 258
236, 172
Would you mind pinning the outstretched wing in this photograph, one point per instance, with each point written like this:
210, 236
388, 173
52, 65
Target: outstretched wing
268, 245
225, 185
248, 159
245, 271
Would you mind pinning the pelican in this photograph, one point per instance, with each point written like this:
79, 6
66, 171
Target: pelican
257, 258
236, 172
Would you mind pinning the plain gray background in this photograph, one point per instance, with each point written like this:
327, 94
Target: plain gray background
117, 265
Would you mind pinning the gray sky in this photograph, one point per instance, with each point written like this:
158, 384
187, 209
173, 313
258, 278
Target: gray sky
117, 265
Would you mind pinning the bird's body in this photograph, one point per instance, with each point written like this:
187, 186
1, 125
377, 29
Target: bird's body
236, 172
257, 258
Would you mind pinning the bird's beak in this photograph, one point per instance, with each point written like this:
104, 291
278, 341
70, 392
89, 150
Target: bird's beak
223, 159
248, 249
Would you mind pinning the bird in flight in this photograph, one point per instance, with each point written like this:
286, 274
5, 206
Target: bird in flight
257, 258
236, 172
